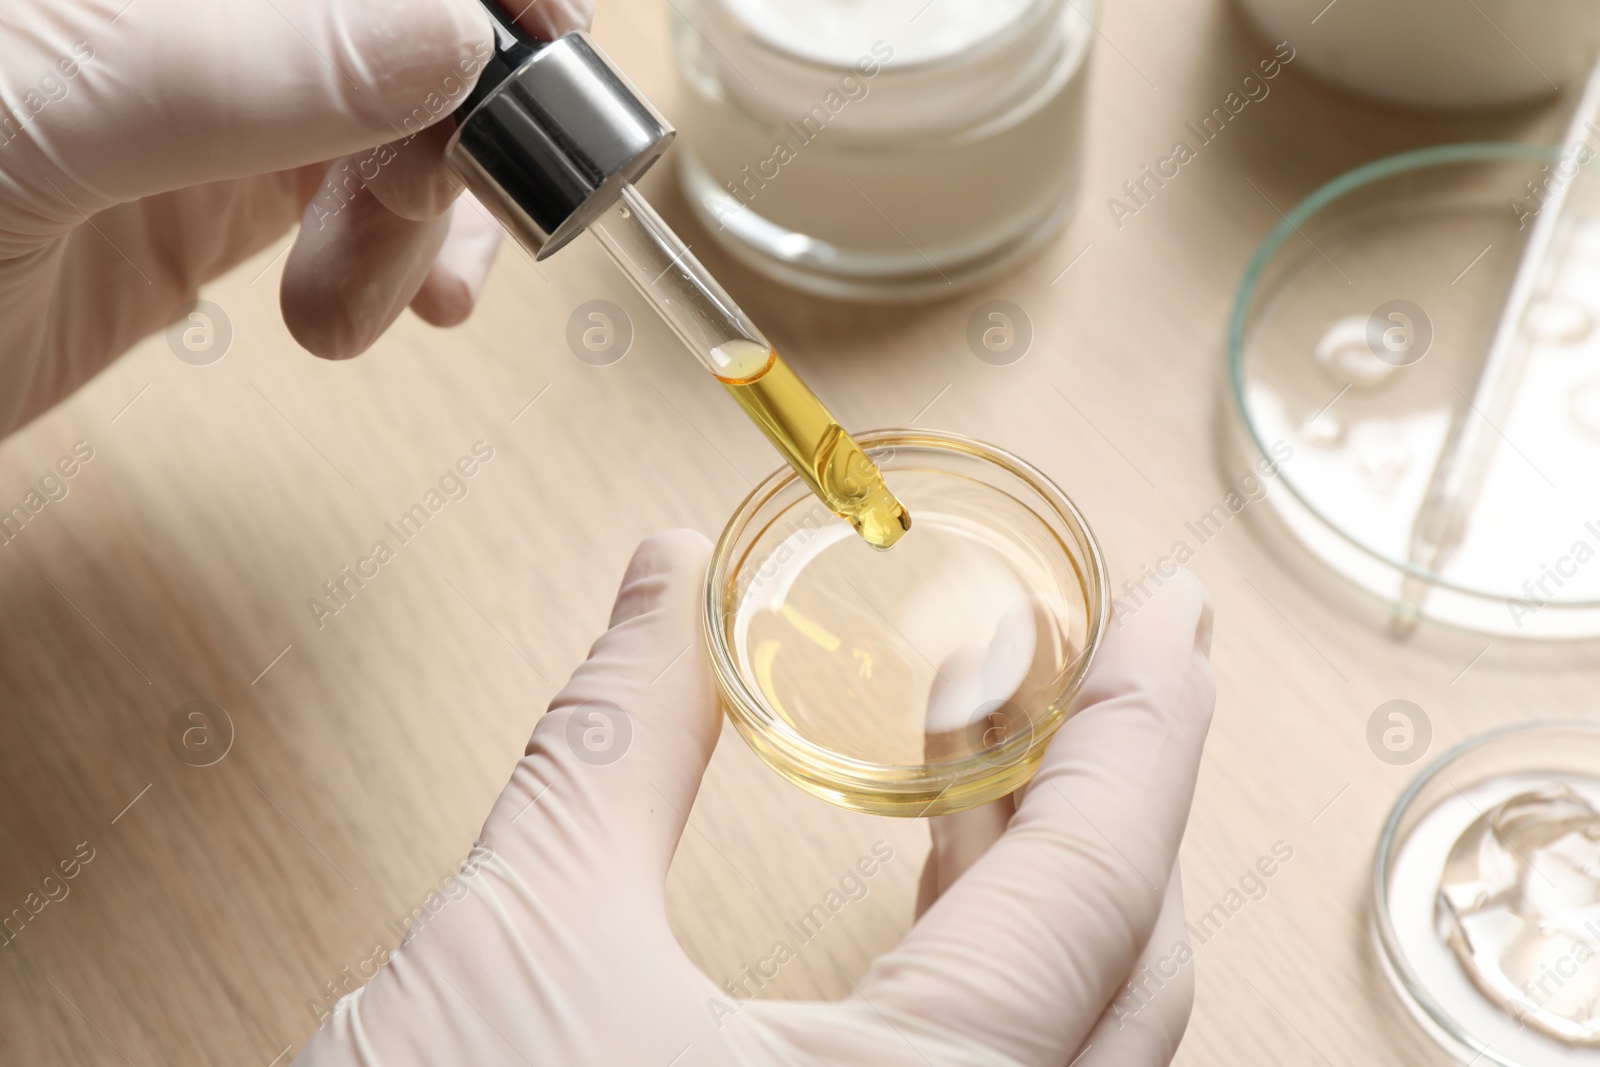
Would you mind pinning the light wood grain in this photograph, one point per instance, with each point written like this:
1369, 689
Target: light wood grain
179, 565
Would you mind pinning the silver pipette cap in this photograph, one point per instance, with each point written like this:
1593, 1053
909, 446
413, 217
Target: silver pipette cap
551, 134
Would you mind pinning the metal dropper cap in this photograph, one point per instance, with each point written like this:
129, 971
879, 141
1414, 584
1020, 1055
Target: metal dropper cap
551, 134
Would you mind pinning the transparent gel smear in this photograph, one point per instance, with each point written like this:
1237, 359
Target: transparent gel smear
1519, 904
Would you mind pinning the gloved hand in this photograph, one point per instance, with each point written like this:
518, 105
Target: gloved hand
146, 146
1035, 912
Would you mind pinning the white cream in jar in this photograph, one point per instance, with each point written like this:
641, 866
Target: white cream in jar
894, 149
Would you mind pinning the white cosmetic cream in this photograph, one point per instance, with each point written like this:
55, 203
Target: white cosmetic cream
899, 149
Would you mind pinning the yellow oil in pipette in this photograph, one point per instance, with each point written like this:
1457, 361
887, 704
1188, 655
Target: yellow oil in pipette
728, 344
813, 442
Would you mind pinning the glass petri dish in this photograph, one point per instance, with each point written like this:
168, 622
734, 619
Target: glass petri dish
1410, 925
919, 681
1357, 338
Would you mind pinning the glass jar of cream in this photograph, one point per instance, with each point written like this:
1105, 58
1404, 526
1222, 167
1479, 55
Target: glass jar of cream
890, 150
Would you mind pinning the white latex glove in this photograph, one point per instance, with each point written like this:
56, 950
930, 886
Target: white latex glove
149, 145
558, 951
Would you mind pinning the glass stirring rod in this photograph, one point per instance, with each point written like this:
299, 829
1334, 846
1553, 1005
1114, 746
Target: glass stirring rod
551, 139
1470, 445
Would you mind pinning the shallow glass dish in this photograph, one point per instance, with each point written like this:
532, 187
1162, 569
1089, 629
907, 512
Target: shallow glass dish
1358, 336
1417, 842
922, 680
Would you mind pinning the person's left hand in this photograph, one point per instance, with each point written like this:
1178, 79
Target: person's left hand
151, 145
1034, 912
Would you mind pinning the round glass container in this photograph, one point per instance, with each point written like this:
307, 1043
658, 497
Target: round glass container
922, 680
882, 151
1421, 52
1356, 342
1557, 764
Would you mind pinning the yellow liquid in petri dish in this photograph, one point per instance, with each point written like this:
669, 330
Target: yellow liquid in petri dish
916, 682
940, 651
813, 442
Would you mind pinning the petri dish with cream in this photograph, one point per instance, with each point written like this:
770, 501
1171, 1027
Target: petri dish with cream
1359, 354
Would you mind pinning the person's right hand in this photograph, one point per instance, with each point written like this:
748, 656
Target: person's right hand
1035, 912
152, 144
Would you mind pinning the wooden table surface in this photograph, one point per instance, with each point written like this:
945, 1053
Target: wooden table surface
367, 751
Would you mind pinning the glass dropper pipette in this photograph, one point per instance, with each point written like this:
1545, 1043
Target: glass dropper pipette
551, 140
734, 351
